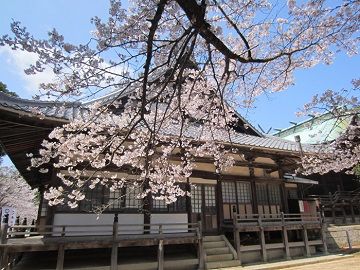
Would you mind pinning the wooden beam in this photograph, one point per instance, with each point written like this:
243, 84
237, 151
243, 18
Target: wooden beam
306, 242
161, 255
285, 238
60, 257
263, 245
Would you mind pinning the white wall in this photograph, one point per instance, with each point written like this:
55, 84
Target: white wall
85, 222
167, 218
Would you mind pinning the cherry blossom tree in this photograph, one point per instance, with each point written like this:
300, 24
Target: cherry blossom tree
176, 69
15, 192
344, 152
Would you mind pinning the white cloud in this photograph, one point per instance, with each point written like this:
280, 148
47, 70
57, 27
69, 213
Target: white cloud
17, 61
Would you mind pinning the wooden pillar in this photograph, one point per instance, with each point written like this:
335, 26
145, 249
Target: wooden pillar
161, 255
236, 236
250, 159
262, 240
284, 201
201, 255
285, 238
60, 257
323, 231
188, 200
114, 248
352, 212
306, 242
4, 259
219, 204
344, 214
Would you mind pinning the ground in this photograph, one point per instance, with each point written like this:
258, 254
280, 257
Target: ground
351, 263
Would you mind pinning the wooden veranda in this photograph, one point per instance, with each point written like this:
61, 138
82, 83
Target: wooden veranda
261, 223
20, 238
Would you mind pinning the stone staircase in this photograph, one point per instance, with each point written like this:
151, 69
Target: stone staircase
219, 252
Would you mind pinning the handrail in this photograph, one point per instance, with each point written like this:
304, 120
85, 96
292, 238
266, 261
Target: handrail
100, 229
270, 219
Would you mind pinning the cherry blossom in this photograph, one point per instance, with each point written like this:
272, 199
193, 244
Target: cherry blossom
175, 69
15, 192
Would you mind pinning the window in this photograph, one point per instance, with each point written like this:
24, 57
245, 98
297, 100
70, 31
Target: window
93, 198
274, 194
243, 192
228, 192
159, 205
131, 197
261, 194
196, 199
115, 199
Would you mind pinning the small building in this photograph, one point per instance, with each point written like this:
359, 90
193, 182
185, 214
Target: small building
338, 192
249, 212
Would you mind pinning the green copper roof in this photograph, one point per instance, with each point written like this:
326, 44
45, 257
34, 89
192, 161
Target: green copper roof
316, 130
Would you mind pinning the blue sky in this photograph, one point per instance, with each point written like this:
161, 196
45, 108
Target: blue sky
72, 18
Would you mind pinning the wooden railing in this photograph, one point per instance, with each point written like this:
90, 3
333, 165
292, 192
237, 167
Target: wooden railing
23, 231
278, 222
339, 201
115, 233
276, 219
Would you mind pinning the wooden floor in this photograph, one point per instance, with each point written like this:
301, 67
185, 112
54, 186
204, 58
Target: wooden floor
40, 243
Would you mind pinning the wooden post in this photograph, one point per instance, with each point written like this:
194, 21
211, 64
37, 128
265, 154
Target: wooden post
200, 247
344, 215
4, 229
285, 237
161, 255
306, 242
5, 260
114, 249
60, 257
352, 212
323, 232
262, 240
236, 235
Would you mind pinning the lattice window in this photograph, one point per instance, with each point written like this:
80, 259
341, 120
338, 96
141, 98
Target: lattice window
159, 205
243, 192
196, 199
178, 206
131, 197
274, 194
228, 192
44, 208
115, 199
210, 199
261, 194
93, 198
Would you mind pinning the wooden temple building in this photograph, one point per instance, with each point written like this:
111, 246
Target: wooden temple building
254, 211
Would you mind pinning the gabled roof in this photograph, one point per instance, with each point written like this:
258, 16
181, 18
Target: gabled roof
23, 128
63, 112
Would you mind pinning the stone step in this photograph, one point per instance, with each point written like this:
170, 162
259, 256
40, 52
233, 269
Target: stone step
215, 244
222, 264
217, 251
213, 238
219, 258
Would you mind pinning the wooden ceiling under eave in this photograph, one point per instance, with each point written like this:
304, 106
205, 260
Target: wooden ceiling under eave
22, 134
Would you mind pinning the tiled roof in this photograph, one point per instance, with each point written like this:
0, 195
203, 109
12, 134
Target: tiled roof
239, 139
63, 112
